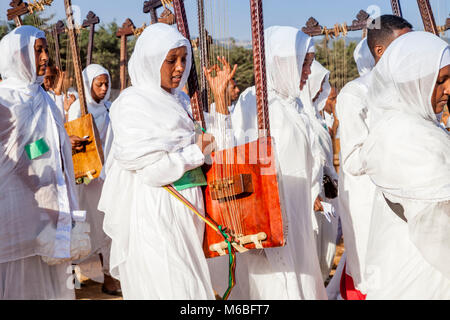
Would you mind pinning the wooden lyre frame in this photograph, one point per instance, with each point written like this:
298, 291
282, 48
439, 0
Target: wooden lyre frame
253, 185
89, 162
20, 8
90, 22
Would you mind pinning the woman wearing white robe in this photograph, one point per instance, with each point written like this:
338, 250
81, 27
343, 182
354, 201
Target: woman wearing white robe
407, 157
356, 193
314, 97
34, 194
292, 271
156, 240
89, 195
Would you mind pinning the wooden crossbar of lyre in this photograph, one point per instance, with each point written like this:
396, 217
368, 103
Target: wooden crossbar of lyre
90, 22
313, 28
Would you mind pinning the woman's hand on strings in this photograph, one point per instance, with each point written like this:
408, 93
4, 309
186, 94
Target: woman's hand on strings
206, 142
219, 83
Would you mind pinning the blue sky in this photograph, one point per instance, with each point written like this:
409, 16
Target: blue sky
276, 12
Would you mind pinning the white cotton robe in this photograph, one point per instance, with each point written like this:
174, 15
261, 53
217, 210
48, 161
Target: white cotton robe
156, 241
356, 193
407, 157
34, 194
322, 149
89, 195
292, 271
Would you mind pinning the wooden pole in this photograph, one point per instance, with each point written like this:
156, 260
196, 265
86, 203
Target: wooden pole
57, 30
396, 8
123, 33
90, 22
76, 57
427, 16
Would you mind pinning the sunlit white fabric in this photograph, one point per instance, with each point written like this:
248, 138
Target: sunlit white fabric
363, 57
406, 155
33, 193
156, 241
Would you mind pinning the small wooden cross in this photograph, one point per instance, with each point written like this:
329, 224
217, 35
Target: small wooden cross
123, 33
150, 6
90, 22
18, 8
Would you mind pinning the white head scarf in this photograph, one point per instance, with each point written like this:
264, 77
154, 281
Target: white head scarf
98, 110
18, 62
406, 153
170, 128
91, 72
363, 57
318, 79
286, 49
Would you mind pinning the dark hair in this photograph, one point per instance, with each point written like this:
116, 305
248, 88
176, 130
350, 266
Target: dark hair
381, 30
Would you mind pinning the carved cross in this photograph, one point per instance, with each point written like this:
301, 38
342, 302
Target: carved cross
312, 28
150, 6
123, 33
18, 8
90, 22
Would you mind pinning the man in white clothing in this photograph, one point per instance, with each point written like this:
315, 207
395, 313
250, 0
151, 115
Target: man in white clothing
356, 193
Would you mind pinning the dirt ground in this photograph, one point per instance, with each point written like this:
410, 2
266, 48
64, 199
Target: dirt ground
91, 290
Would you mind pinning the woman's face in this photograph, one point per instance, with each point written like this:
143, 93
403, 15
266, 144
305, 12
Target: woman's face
306, 69
441, 92
41, 55
173, 68
100, 87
